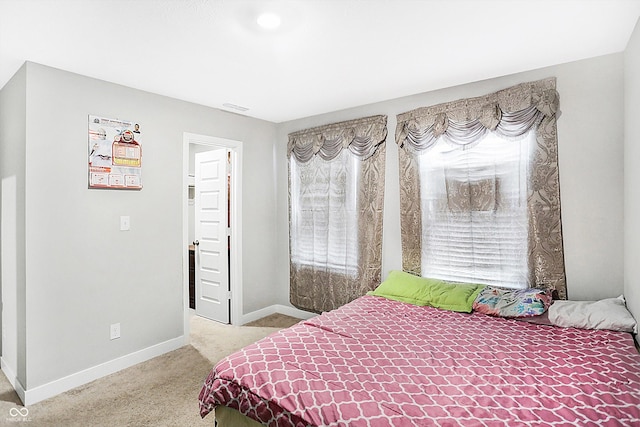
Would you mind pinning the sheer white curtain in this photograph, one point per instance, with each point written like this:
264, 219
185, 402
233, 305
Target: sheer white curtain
474, 210
324, 213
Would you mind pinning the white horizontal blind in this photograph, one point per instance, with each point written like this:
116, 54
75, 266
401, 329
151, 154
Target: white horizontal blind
474, 211
324, 217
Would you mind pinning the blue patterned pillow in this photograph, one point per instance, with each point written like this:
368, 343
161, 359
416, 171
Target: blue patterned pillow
512, 303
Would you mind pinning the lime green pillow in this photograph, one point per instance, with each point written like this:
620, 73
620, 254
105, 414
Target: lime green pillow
405, 287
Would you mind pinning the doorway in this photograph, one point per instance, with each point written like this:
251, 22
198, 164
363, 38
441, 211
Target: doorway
231, 151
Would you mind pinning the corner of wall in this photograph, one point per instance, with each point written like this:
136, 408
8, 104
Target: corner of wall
632, 173
13, 105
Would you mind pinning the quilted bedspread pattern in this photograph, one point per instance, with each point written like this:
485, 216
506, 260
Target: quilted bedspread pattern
376, 362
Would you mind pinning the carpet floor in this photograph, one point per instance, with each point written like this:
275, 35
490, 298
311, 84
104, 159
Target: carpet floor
159, 392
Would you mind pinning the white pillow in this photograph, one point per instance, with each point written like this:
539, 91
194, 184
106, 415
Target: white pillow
610, 313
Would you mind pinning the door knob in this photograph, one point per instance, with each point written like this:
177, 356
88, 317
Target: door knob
196, 243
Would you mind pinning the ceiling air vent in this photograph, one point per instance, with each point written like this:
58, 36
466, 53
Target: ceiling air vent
234, 107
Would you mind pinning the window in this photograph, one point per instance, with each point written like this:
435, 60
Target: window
479, 189
324, 213
474, 211
336, 194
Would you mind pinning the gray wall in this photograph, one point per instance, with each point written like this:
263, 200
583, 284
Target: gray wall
632, 174
12, 257
83, 273
590, 133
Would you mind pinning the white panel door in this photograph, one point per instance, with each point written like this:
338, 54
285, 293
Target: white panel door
212, 267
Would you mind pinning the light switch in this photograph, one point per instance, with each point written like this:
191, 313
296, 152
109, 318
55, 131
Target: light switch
125, 223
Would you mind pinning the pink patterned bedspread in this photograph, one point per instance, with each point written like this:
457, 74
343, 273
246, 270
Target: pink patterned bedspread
376, 362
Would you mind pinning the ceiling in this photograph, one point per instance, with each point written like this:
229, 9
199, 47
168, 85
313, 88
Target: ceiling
327, 55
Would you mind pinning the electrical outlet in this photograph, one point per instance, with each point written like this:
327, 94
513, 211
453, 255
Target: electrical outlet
125, 223
115, 331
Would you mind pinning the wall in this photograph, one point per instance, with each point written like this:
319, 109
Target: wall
590, 133
83, 273
12, 228
632, 174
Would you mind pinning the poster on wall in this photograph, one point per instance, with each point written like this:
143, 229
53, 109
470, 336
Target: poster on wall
115, 154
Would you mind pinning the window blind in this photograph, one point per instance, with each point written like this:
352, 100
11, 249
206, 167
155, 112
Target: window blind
474, 210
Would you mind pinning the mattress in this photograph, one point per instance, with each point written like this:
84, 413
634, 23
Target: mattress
377, 362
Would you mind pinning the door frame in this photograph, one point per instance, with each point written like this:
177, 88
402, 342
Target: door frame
235, 270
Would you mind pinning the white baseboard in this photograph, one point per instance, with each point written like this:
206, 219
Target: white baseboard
45, 391
12, 378
276, 308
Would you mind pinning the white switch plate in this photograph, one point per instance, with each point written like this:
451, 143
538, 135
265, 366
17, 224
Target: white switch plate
125, 223
115, 331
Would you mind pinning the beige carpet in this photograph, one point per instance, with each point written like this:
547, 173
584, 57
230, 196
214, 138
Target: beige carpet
160, 392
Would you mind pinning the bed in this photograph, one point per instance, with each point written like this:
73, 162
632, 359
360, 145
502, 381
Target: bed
381, 362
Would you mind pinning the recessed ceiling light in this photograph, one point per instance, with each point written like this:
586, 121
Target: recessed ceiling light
269, 21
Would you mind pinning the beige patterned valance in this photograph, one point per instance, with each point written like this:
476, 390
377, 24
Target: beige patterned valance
512, 113
361, 136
